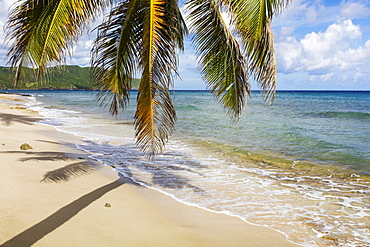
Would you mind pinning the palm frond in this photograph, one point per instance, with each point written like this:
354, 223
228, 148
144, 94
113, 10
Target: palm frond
222, 63
252, 20
263, 63
115, 54
251, 17
20, 26
43, 31
155, 116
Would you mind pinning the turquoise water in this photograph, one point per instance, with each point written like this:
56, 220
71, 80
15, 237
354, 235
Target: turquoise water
332, 127
300, 166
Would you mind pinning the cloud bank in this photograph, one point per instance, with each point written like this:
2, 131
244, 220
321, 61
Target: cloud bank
334, 56
324, 52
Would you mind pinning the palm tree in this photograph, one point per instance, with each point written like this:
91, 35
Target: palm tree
143, 36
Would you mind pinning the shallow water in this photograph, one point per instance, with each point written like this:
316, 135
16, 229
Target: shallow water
300, 166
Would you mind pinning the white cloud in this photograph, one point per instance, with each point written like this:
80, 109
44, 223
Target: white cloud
321, 77
317, 40
308, 12
286, 30
323, 52
4, 6
81, 52
301, 12
353, 10
352, 58
189, 74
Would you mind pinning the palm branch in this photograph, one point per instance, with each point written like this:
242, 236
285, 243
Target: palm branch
142, 36
114, 55
43, 30
163, 31
222, 63
252, 21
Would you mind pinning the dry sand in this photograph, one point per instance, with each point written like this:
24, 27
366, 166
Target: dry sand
53, 195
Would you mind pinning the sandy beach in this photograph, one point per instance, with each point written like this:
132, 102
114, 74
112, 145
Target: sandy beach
53, 195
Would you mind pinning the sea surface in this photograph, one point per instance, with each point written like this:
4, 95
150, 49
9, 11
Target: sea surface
300, 166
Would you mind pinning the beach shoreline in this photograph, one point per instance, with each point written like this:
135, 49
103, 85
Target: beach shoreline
53, 195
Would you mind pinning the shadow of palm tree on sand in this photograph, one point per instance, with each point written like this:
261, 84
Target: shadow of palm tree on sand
125, 158
9, 119
49, 224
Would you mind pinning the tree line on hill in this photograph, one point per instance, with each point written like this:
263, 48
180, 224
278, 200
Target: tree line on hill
59, 77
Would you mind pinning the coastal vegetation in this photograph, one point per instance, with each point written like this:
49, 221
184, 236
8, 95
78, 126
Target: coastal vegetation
143, 37
59, 77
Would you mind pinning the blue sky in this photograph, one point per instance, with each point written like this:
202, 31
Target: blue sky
320, 44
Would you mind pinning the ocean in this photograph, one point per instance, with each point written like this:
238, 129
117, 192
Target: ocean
300, 166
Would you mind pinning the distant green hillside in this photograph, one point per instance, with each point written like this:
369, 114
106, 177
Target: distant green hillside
61, 77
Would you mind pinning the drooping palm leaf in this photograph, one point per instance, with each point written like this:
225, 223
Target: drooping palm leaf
263, 63
142, 36
43, 30
22, 23
115, 54
155, 116
252, 19
222, 62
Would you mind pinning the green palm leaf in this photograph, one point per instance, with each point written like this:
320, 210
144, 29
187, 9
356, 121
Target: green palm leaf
114, 56
252, 20
155, 116
43, 30
141, 36
20, 26
222, 63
